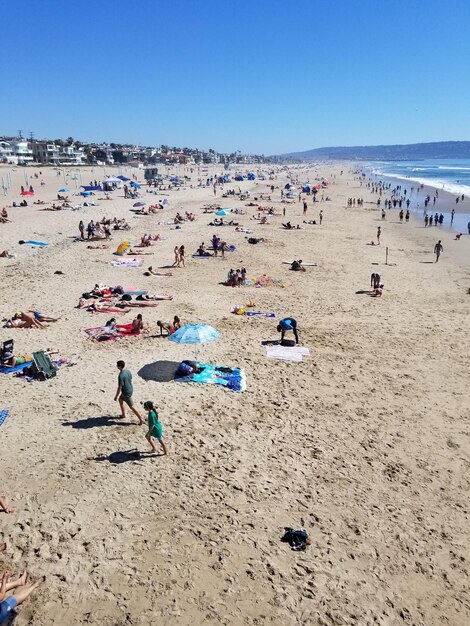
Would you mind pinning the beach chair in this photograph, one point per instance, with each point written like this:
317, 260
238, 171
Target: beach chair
44, 366
6, 351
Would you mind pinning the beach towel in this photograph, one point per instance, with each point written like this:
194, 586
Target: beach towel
203, 257
133, 262
4, 369
287, 353
230, 377
134, 292
38, 244
259, 314
3, 415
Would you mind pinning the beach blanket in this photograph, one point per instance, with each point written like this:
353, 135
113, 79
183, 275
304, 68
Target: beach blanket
202, 256
230, 377
134, 292
4, 369
122, 331
122, 262
3, 415
259, 314
37, 244
287, 353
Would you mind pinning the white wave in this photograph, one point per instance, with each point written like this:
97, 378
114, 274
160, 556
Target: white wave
457, 168
444, 185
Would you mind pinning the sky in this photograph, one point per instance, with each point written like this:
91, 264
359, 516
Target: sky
259, 76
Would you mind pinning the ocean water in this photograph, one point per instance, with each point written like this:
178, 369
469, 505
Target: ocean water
450, 175
447, 174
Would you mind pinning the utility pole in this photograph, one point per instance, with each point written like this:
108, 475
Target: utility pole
20, 134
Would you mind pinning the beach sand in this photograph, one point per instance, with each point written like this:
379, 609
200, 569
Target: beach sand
365, 443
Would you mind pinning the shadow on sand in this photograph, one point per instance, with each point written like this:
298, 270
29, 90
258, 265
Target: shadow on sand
97, 422
126, 456
159, 371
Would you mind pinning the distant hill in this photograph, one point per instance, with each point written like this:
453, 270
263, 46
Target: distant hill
404, 152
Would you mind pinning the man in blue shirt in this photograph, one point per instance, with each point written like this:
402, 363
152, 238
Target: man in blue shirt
288, 323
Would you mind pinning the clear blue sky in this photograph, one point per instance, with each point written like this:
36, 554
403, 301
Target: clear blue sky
264, 76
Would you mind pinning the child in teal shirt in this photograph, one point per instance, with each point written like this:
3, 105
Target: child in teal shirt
155, 427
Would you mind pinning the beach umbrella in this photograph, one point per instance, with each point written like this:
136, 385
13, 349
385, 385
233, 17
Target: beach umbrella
113, 179
135, 185
195, 334
64, 190
221, 212
123, 178
137, 204
27, 193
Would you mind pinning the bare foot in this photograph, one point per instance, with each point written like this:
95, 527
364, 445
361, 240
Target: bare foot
23, 578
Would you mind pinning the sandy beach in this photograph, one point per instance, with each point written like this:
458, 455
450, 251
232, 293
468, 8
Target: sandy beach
365, 443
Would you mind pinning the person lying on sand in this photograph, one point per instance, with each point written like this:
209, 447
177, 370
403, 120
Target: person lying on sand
27, 319
98, 306
138, 253
6, 254
146, 297
21, 593
4, 507
25, 358
101, 247
151, 272
297, 266
108, 330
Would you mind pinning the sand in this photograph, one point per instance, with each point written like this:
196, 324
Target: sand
365, 443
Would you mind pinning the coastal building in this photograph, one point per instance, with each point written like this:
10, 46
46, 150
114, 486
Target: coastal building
16, 152
50, 153
6, 152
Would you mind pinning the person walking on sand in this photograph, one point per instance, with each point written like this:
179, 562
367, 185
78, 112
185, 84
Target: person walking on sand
176, 262
452, 216
305, 208
81, 228
320, 217
379, 232
125, 391
155, 430
438, 248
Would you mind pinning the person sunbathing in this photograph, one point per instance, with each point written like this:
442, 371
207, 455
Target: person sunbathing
24, 319
151, 272
4, 216
6, 254
108, 330
21, 359
137, 324
22, 591
101, 247
146, 297
297, 266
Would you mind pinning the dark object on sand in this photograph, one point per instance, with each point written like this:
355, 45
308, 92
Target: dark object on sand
297, 539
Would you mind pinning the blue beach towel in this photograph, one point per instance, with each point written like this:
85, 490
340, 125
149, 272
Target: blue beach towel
4, 369
230, 377
135, 293
3, 415
259, 314
38, 244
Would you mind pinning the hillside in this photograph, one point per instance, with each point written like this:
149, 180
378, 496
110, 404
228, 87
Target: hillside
398, 152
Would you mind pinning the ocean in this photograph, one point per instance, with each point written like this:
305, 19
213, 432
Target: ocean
450, 175
447, 174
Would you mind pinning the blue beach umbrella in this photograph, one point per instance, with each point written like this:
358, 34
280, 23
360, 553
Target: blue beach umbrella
195, 334
64, 190
138, 204
221, 212
135, 185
